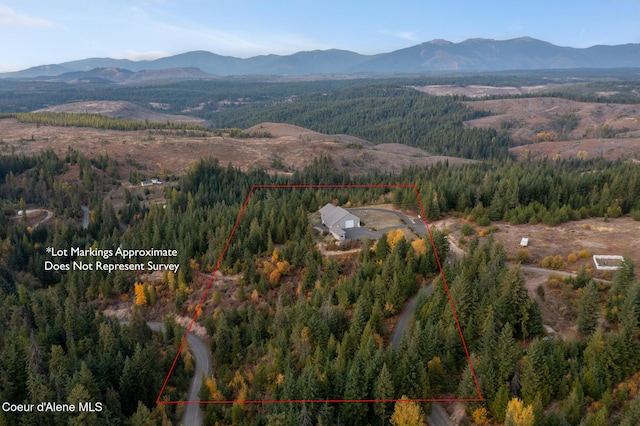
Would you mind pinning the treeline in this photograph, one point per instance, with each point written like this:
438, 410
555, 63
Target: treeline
545, 191
20, 96
101, 122
381, 113
23, 96
591, 379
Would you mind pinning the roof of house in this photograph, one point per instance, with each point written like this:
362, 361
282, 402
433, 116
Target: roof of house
331, 214
339, 232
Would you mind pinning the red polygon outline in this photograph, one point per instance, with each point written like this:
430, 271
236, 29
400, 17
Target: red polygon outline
264, 401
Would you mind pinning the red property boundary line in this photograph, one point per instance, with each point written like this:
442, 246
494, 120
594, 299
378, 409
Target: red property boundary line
266, 401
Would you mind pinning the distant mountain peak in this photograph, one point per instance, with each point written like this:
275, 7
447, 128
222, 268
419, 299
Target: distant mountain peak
474, 54
440, 42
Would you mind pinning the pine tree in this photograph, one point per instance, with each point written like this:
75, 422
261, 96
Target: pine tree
507, 353
383, 391
535, 377
355, 389
588, 309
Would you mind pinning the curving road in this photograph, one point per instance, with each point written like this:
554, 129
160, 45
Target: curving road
85, 217
34, 211
192, 415
405, 316
438, 416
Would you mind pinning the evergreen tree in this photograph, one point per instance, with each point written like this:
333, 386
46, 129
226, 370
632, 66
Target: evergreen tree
588, 309
383, 391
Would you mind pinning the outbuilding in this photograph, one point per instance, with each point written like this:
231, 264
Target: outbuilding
334, 216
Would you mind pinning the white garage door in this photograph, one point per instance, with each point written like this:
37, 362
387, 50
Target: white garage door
349, 224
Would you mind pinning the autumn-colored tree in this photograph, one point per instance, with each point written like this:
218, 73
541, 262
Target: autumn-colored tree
481, 416
393, 237
214, 392
407, 413
419, 246
283, 267
274, 277
141, 297
519, 414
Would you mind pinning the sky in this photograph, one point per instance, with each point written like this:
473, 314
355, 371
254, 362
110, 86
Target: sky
37, 32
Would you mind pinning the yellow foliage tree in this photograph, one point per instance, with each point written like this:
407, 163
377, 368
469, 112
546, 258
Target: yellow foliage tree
283, 267
255, 295
584, 253
419, 246
545, 137
274, 277
141, 297
518, 414
407, 414
275, 256
189, 365
239, 384
481, 416
267, 267
214, 393
393, 237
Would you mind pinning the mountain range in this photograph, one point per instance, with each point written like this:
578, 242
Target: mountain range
476, 54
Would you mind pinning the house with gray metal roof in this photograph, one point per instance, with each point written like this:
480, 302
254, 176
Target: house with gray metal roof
337, 220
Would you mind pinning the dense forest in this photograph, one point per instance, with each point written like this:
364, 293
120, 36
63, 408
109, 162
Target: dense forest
302, 326
286, 321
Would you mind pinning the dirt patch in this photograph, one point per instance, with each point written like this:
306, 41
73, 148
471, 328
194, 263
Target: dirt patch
124, 110
156, 152
558, 303
618, 236
611, 149
557, 300
552, 126
35, 217
478, 91
375, 219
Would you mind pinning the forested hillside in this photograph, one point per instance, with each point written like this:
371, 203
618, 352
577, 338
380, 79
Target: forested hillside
298, 325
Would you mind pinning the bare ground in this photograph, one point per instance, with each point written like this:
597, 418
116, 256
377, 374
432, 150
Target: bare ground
124, 110
291, 149
558, 301
618, 236
608, 130
611, 149
477, 91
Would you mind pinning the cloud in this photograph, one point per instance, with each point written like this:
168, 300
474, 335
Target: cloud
8, 68
231, 43
140, 56
405, 35
11, 18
